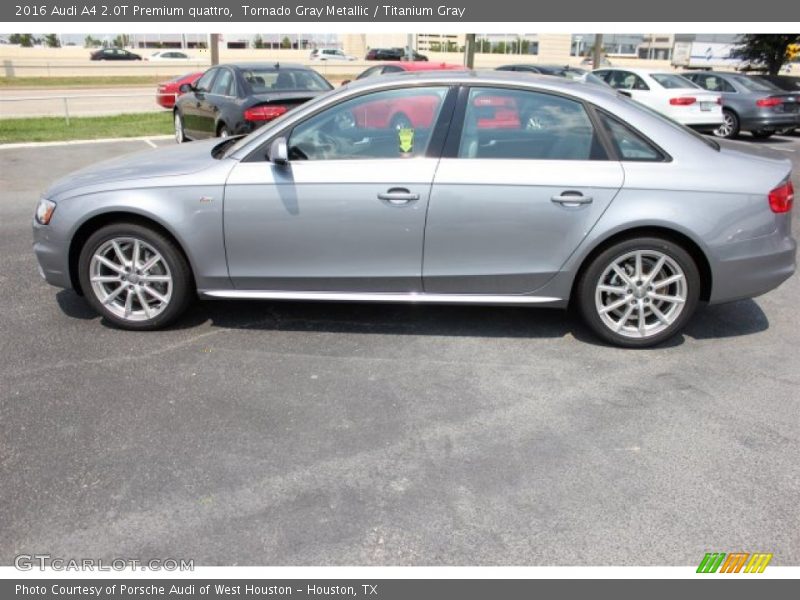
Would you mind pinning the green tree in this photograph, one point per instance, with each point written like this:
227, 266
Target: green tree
286, 43
768, 49
91, 42
258, 41
122, 40
25, 40
51, 40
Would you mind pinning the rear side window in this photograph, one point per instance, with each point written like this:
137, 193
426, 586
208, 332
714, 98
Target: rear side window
526, 125
629, 144
672, 82
223, 85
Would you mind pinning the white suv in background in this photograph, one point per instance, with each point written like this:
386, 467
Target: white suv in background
668, 93
330, 54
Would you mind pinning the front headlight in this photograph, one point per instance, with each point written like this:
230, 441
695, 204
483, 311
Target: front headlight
44, 211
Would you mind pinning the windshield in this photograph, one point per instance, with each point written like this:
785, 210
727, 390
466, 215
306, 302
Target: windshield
672, 82
263, 81
755, 85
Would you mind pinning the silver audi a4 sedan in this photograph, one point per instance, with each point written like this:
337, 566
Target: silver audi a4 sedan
445, 187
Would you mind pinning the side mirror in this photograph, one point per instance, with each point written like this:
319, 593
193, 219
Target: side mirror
279, 152
185, 88
345, 82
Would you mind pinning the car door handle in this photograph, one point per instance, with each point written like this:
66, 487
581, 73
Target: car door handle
398, 196
571, 199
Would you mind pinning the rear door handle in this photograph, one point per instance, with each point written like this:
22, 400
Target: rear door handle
398, 196
571, 199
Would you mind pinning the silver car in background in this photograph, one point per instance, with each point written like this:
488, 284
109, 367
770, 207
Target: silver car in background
439, 187
750, 104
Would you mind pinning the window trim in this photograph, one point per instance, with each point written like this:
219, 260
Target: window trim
612, 146
453, 142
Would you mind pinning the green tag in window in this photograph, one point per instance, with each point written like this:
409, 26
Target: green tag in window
406, 139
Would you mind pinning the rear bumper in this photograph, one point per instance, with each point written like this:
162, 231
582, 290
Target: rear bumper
752, 267
771, 122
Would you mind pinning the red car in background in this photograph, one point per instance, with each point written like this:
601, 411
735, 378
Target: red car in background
401, 113
167, 91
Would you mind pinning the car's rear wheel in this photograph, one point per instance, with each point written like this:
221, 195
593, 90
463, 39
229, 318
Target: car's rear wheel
730, 125
180, 135
224, 132
134, 276
639, 292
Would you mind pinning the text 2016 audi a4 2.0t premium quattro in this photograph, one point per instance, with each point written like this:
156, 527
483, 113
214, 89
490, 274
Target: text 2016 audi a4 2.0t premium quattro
442, 187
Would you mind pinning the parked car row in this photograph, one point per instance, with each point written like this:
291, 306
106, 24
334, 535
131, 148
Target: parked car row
255, 93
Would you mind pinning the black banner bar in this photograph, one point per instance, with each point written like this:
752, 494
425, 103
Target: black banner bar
730, 587
458, 11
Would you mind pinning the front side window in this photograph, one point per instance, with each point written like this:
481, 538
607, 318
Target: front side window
520, 124
204, 83
625, 80
388, 124
223, 85
754, 85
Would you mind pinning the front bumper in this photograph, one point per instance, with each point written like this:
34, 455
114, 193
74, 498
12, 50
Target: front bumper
52, 254
752, 267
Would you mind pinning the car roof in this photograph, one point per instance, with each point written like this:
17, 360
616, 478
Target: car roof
641, 70
423, 65
484, 77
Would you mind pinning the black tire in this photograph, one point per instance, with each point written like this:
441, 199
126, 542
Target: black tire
180, 132
730, 129
223, 131
589, 279
182, 280
761, 134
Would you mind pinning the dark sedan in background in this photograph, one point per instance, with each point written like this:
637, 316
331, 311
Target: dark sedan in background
750, 103
235, 99
392, 54
114, 54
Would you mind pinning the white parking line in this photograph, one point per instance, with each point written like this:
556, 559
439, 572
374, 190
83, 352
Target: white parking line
148, 139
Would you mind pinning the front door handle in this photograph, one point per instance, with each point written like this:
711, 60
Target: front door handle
398, 196
571, 199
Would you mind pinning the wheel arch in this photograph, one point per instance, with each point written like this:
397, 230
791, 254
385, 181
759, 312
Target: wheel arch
673, 235
95, 222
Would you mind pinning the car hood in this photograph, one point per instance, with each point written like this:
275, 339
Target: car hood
161, 162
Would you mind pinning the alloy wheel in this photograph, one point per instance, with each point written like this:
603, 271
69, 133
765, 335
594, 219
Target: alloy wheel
728, 126
179, 137
131, 279
641, 293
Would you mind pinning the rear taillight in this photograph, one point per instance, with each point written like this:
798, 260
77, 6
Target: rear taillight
782, 197
264, 113
682, 101
768, 102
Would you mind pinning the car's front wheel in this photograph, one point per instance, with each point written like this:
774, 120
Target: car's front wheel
134, 276
639, 292
180, 134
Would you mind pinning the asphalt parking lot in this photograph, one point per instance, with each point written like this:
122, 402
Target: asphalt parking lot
297, 433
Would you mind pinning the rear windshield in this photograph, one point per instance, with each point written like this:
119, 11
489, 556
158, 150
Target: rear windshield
281, 80
754, 85
672, 82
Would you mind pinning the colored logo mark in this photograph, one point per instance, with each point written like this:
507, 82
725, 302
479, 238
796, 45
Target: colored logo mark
735, 562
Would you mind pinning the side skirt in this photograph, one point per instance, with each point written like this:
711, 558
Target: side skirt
412, 297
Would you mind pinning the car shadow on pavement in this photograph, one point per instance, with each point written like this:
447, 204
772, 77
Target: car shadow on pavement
721, 321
